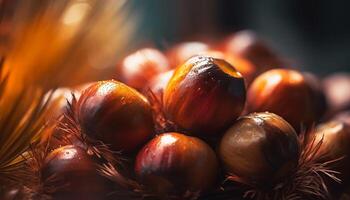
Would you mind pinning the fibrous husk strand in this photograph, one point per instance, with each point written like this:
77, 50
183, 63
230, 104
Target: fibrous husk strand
162, 123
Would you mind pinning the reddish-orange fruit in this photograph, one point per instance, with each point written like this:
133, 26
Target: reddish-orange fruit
247, 45
116, 114
178, 54
205, 95
137, 69
286, 93
176, 163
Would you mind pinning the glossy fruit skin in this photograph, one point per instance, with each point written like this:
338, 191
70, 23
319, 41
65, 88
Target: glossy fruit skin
286, 93
181, 52
73, 174
173, 162
337, 90
138, 68
260, 149
335, 136
116, 114
205, 95
247, 45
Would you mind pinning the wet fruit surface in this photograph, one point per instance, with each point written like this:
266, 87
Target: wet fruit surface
173, 162
205, 95
116, 114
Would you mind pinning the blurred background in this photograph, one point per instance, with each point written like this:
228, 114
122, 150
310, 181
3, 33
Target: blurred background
312, 35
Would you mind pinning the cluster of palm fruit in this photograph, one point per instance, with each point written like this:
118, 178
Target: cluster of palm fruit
228, 120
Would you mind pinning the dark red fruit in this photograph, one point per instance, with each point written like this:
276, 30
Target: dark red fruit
116, 114
173, 163
69, 173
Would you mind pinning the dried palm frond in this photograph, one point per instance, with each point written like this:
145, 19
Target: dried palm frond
22, 119
63, 42
48, 43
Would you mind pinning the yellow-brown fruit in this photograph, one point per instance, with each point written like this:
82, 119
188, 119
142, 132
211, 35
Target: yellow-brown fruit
260, 149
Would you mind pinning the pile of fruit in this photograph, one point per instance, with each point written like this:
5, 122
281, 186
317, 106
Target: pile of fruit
224, 121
